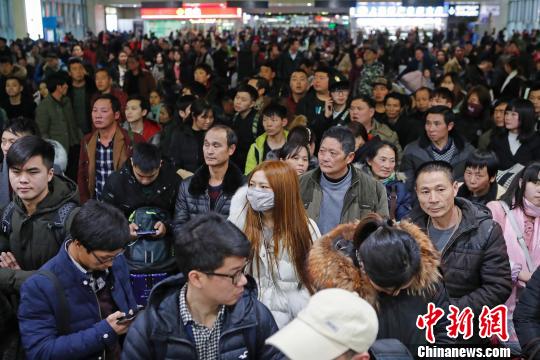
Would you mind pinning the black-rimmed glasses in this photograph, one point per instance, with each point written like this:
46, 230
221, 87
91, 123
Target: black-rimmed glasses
235, 278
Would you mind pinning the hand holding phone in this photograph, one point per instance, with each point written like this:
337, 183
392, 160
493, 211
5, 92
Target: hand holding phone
146, 232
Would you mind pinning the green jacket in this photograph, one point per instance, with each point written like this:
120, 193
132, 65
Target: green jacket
56, 121
35, 239
365, 195
256, 152
386, 134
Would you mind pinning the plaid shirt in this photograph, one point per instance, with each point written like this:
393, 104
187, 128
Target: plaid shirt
206, 339
104, 165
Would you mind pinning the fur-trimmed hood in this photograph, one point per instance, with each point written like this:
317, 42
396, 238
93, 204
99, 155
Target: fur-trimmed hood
330, 267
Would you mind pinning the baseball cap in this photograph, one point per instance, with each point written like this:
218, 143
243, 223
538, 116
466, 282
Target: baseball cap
334, 321
382, 81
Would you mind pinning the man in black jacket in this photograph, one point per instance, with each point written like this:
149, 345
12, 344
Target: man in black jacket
474, 262
210, 310
213, 185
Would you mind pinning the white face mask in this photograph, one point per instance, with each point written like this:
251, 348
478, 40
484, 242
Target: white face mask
260, 200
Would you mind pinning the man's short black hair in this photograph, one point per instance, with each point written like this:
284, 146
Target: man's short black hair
205, 67
343, 135
423, 88
206, 240
74, 60
253, 94
269, 64
143, 102
56, 79
18, 79
261, 83
146, 156
6, 60
396, 96
105, 70
339, 86
368, 100
435, 166
22, 125
445, 111
27, 147
275, 109
483, 158
444, 93
100, 226
232, 138
115, 103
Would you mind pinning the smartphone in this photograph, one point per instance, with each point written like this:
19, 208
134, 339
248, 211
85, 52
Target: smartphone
146, 232
126, 318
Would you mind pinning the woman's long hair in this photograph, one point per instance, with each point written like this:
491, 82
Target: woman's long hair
527, 117
513, 197
291, 229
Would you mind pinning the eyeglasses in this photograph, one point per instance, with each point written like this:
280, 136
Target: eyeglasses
108, 259
235, 278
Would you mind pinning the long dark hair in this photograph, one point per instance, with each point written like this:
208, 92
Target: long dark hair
527, 117
513, 197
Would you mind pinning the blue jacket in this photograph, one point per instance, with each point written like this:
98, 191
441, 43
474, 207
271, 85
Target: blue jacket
404, 198
158, 333
89, 333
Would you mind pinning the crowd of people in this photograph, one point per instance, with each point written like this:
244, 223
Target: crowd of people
238, 186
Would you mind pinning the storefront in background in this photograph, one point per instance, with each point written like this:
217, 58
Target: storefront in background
163, 21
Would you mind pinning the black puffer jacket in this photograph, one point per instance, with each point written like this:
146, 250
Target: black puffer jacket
527, 318
193, 195
158, 333
186, 148
475, 263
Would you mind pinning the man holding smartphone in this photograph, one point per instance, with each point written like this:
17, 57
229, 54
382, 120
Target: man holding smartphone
81, 301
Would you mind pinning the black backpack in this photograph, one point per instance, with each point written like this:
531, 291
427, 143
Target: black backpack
147, 254
389, 349
62, 219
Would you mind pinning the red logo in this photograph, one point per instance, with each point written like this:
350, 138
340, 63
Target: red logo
429, 320
460, 322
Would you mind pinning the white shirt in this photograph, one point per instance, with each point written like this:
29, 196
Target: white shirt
513, 142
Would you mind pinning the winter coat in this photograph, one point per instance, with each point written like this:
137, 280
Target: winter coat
494, 193
86, 176
256, 152
89, 334
193, 198
141, 84
365, 195
527, 318
36, 239
123, 191
475, 261
419, 152
56, 121
279, 288
158, 333
186, 148
331, 267
527, 152
384, 133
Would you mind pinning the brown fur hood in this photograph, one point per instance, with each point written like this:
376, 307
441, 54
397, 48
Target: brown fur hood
330, 268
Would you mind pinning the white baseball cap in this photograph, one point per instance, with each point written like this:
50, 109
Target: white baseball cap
333, 322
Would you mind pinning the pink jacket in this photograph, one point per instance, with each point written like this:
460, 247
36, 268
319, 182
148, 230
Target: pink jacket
515, 253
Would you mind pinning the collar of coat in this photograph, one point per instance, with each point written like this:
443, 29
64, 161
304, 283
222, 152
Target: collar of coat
231, 182
329, 267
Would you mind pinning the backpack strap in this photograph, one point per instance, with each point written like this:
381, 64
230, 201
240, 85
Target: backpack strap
62, 315
6, 217
62, 220
519, 235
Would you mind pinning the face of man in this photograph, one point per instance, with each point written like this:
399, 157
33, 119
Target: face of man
436, 193
267, 73
103, 115
439, 100
132, 64
145, 178
392, 108
8, 139
242, 102
534, 97
96, 260
320, 81
77, 51
103, 81
369, 55
13, 87
5, 68
421, 98
201, 76
220, 290
436, 129
77, 72
273, 125
361, 112
134, 112
477, 180
215, 149
299, 83
30, 181
333, 161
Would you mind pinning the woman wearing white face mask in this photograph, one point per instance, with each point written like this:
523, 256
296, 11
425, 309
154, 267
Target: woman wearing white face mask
271, 214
